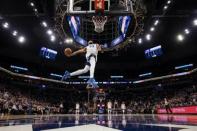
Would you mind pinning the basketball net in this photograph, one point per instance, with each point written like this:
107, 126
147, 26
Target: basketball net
99, 23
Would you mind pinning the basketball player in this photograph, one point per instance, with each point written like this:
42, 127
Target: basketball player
91, 56
123, 107
109, 107
77, 107
116, 107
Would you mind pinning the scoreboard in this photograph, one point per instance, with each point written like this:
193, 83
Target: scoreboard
47, 53
154, 52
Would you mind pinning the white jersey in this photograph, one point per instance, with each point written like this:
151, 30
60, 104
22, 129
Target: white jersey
123, 107
77, 106
91, 50
166, 102
109, 105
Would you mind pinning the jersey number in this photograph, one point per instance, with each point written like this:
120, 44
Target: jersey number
91, 46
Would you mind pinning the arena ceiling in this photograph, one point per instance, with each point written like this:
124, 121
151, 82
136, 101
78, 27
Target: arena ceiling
129, 61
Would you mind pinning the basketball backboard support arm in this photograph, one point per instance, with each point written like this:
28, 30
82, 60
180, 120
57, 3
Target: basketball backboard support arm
131, 6
128, 11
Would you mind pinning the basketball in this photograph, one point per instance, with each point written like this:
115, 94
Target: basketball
68, 52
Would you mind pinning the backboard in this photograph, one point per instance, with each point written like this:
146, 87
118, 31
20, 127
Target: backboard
87, 7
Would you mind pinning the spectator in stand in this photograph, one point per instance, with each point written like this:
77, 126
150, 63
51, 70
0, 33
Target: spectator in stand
85, 108
18, 101
14, 109
167, 106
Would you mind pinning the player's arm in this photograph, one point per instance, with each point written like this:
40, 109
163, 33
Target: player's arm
98, 47
78, 52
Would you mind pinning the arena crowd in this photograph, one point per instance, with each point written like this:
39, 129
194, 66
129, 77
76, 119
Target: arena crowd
15, 101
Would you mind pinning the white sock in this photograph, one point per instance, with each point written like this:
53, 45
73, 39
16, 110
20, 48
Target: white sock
81, 71
92, 66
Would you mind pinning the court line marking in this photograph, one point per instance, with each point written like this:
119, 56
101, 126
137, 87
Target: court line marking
90, 127
185, 127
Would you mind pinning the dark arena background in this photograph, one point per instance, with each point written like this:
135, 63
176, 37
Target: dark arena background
137, 61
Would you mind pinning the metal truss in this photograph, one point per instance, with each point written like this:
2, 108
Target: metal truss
62, 9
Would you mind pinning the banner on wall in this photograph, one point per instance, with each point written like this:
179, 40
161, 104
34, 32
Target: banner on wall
180, 110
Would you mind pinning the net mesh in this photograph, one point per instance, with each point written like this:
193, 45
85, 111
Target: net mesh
99, 23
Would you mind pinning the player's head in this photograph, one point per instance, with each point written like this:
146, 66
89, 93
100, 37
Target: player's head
90, 42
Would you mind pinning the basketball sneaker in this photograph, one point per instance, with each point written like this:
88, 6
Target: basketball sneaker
92, 83
66, 75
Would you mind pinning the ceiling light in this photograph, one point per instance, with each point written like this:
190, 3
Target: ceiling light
169, 1
195, 22
21, 39
6, 25
14, 33
187, 31
44, 24
180, 37
165, 7
49, 32
130, 40
32, 4
140, 40
69, 40
156, 22
148, 37
52, 38
152, 29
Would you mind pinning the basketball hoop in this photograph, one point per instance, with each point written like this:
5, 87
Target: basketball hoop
99, 23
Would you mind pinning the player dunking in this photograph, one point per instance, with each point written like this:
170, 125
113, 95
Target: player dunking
91, 56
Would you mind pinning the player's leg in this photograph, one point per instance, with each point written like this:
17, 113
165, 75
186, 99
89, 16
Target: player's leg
78, 72
170, 109
81, 71
92, 81
110, 110
167, 110
123, 111
92, 66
